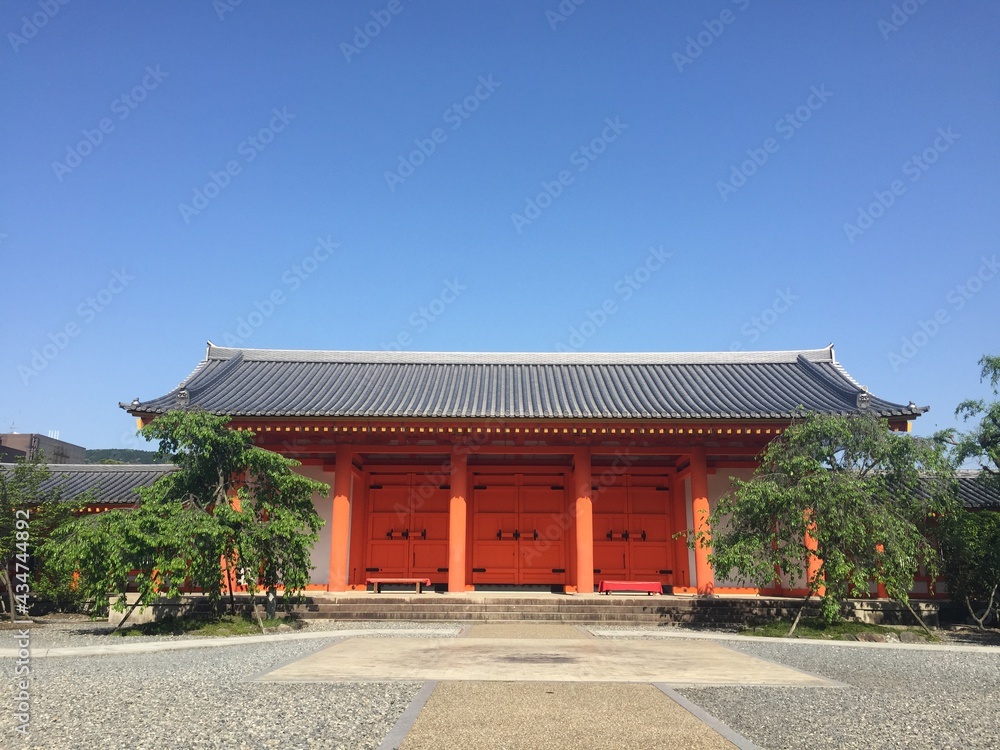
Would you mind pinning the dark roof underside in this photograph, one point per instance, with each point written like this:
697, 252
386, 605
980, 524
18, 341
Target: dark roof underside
731, 385
109, 483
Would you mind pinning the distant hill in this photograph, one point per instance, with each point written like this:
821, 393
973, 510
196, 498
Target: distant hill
119, 455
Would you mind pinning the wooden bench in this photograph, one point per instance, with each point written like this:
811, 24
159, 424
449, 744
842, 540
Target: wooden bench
377, 583
650, 587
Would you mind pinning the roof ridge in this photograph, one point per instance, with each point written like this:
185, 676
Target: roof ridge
525, 358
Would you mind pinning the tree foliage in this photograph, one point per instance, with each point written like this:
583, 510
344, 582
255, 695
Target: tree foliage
231, 510
28, 514
845, 493
971, 548
971, 542
983, 442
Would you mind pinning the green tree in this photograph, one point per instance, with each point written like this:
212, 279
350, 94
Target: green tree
844, 493
971, 549
971, 541
230, 509
28, 513
982, 444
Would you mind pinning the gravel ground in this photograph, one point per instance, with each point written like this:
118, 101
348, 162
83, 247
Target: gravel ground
199, 699
895, 699
89, 633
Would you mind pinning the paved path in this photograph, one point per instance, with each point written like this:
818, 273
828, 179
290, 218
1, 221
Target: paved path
526, 686
504, 659
583, 716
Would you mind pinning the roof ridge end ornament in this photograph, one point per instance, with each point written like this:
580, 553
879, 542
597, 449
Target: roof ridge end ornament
864, 399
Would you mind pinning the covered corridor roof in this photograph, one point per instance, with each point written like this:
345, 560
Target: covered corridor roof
109, 483
572, 385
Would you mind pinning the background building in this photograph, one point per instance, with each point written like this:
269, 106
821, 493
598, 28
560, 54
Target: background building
31, 446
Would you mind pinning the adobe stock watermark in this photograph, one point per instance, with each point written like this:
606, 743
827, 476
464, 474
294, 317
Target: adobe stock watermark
624, 289
609, 477
900, 16
423, 316
222, 7
31, 25
363, 35
786, 126
454, 116
713, 29
123, 106
250, 148
763, 321
581, 158
955, 301
21, 580
291, 281
561, 13
86, 312
913, 168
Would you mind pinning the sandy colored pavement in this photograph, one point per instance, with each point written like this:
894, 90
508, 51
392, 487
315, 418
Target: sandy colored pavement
412, 659
527, 630
583, 716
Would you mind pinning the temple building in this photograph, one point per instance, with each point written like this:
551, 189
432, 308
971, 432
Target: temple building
549, 470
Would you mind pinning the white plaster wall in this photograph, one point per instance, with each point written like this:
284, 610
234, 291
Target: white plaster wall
324, 506
719, 484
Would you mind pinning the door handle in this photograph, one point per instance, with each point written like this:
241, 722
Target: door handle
405, 534
516, 534
643, 535
536, 534
388, 534
611, 536
625, 535
423, 534
500, 534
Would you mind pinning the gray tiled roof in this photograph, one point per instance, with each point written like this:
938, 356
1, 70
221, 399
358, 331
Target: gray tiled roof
110, 483
975, 494
749, 385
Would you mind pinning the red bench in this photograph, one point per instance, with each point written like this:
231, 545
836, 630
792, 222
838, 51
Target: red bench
650, 587
377, 583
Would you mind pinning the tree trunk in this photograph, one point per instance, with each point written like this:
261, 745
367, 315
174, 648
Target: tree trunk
253, 606
5, 576
918, 618
229, 583
980, 622
798, 615
127, 615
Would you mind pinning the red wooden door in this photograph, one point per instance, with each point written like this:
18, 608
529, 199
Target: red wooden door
407, 529
519, 534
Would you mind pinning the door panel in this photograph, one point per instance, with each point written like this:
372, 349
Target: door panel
407, 529
541, 549
632, 534
518, 534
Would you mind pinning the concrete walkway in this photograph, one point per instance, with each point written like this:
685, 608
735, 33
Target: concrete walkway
539, 659
522, 686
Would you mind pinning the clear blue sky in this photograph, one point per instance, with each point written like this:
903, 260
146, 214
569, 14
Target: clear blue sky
737, 138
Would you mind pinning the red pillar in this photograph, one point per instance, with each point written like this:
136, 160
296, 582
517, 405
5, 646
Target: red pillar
583, 511
340, 529
457, 522
699, 516
814, 562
